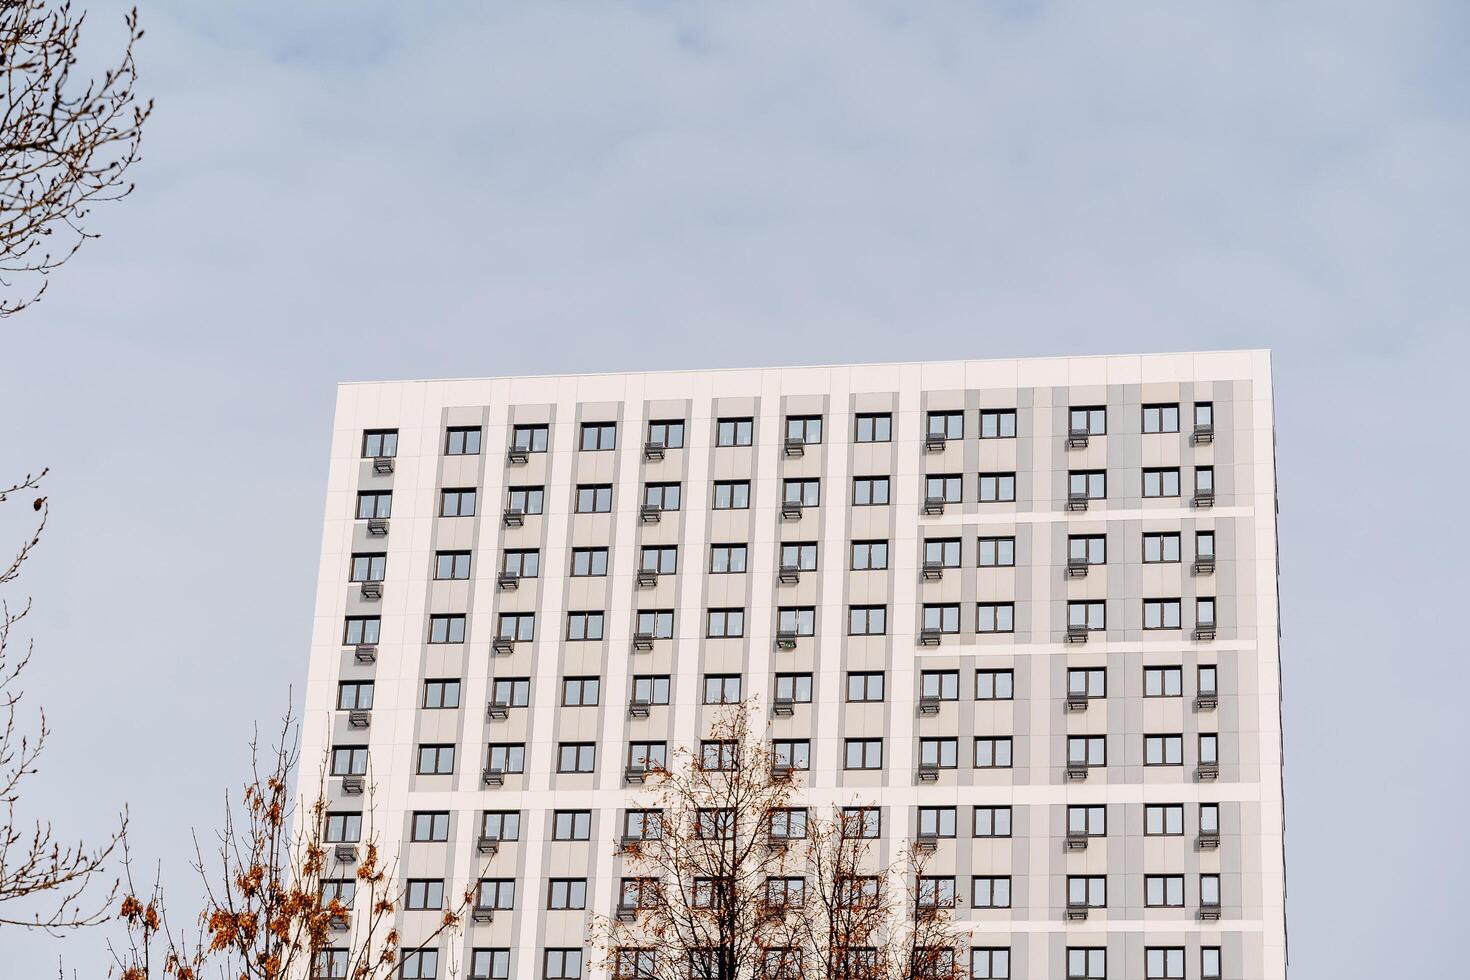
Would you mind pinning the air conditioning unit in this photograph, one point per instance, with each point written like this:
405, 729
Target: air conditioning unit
1207, 701
514, 517
928, 772
653, 450
1203, 435
499, 710
1207, 772
1204, 631
1077, 632
488, 845
1077, 438
372, 591
1209, 912
378, 527
517, 456
1204, 498
383, 464
627, 913
784, 707
781, 772
483, 914
1077, 770
503, 646
1077, 501
933, 506
791, 510
929, 705
1076, 912
1076, 840
339, 923
789, 574
638, 708
935, 442
345, 853
1077, 567
926, 842
508, 581
643, 641
786, 639
929, 637
352, 785
933, 571
365, 653
647, 578
650, 513
359, 718
493, 777
1208, 841
635, 774
630, 845
796, 447
1204, 564
1077, 700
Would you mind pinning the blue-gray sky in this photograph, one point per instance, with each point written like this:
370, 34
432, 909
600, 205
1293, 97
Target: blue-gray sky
342, 191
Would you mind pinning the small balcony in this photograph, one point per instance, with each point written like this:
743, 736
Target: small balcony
352, 785
629, 844
638, 708
647, 578
786, 639
514, 517
516, 456
933, 571
1210, 912
643, 640
789, 574
781, 772
371, 591
493, 776
929, 637
483, 914
1076, 840
928, 772
1207, 701
1203, 435
1077, 700
1077, 567
503, 646
933, 506
929, 704
653, 451
650, 513
1077, 632
1077, 501
935, 442
1204, 498
339, 923
1207, 772
360, 718
1077, 438
795, 447
1208, 840
791, 510
1204, 565
488, 845
927, 843
627, 913
635, 774
783, 707
383, 465
779, 842
1204, 631
1077, 771
498, 710
508, 581
365, 653
1076, 912
377, 527
345, 853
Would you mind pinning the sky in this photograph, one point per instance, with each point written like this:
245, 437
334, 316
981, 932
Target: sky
372, 190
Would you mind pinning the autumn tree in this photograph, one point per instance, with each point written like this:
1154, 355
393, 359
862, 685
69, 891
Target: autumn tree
729, 875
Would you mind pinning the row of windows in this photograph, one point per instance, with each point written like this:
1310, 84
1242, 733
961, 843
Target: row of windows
990, 552
940, 752
790, 824
991, 684
986, 963
805, 429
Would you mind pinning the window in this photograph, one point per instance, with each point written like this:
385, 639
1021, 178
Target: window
1087, 615
490, 964
1087, 891
942, 553
994, 685
714, 823
733, 432
1088, 549
1087, 821
867, 620
576, 757
584, 626
1161, 614
361, 630
1161, 418
378, 443
339, 890
727, 558
792, 753
514, 692
436, 760
990, 964
571, 825
653, 688
354, 695
462, 441
801, 620
507, 757
873, 427
992, 752
441, 693
452, 565
804, 428
788, 823
589, 561
1161, 482
522, 563
944, 617
732, 495
1204, 480
807, 493
1091, 419
936, 821
721, 688
330, 964
563, 964
425, 893
1204, 612
630, 963
946, 487
1209, 961
1087, 963
719, 755
997, 552
1163, 819
648, 755
869, 491
343, 828
516, 626
501, 824
580, 692
995, 617
430, 825
862, 821
934, 892
863, 753
446, 629
420, 964
1163, 891
940, 752
869, 555
566, 893
799, 554
525, 500
1087, 750
1209, 890
1163, 750
950, 425
1208, 682
368, 567
1209, 749
941, 684
664, 496
992, 821
990, 891
865, 685
668, 433
997, 487
457, 503
998, 424
594, 498
529, 438
496, 893
1163, 682
726, 623
1161, 547
1091, 682
639, 893
656, 623
349, 760
374, 504
785, 892
1087, 485
599, 435
1204, 544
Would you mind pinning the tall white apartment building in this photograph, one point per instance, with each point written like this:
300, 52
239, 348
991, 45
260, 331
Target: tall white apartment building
1026, 608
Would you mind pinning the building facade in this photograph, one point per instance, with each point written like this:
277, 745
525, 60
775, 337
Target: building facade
1027, 608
